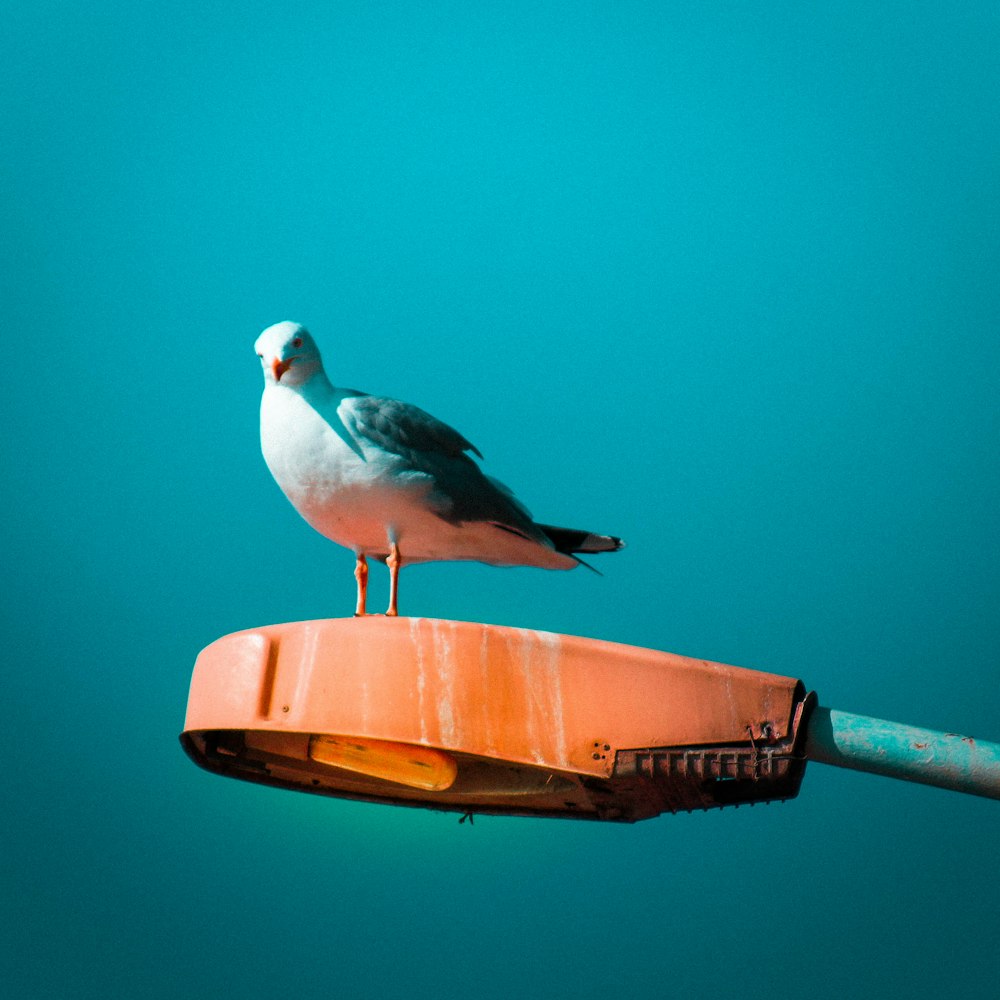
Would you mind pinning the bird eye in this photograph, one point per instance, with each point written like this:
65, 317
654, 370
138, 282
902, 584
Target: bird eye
297, 342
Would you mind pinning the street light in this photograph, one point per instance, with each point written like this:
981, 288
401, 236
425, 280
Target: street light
488, 719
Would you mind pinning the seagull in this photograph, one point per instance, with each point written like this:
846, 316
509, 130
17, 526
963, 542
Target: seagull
387, 480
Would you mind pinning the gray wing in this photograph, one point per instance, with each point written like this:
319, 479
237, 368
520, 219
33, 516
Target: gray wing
405, 429
461, 492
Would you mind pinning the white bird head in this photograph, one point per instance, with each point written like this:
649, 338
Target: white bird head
288, 354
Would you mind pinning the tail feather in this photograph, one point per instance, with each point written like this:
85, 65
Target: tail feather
570, 541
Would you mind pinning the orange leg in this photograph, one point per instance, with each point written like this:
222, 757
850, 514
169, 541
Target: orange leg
361, 575
393, 561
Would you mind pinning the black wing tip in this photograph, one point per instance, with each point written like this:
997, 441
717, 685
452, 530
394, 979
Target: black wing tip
601, 543
570, 541
586, 565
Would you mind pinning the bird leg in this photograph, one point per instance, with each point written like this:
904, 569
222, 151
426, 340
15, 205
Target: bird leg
393, 561
361, 575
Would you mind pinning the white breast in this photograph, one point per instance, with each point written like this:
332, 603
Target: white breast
342, 487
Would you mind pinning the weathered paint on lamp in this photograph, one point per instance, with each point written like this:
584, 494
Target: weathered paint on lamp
533, 723
484, 718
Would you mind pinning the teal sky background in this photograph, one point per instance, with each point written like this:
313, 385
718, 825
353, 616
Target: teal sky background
720, 278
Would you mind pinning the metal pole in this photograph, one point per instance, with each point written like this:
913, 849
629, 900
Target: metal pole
943, 759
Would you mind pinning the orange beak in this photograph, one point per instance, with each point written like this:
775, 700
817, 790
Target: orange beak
279, 367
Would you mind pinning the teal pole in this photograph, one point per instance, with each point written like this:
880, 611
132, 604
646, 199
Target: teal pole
943, 759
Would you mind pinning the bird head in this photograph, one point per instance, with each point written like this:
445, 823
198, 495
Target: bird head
288, 354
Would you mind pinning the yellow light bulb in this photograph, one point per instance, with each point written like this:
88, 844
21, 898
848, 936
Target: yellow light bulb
403, 763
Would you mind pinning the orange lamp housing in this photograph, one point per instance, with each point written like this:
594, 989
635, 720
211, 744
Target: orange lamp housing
487, 719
